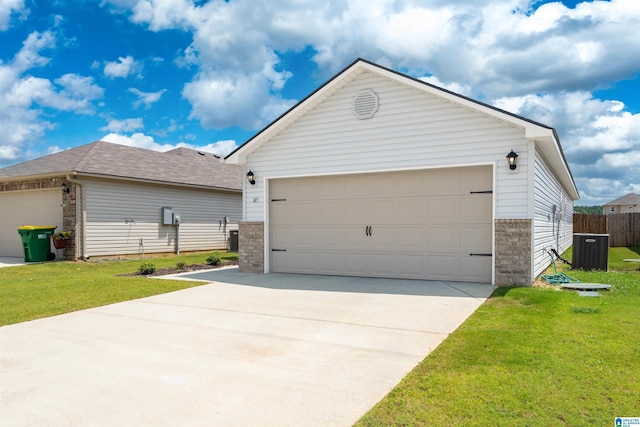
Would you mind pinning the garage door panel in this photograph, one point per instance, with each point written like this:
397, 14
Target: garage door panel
355, 212
442, 209
330, 187
444, 181
418, 224
36, 207
443, 238
412, 183
411, 265
472, 267
356, 186
476, 208
382, 237
410, 238
475, 238
329, 212
355, 238
411, 210
382, 211
441, 266
475, 179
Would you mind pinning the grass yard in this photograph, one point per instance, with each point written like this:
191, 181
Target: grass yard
532, 357
40, 290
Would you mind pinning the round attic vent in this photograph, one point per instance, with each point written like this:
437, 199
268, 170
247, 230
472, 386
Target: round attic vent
365, 104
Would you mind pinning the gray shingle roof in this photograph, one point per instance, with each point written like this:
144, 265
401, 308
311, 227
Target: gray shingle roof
629, 199
179, 166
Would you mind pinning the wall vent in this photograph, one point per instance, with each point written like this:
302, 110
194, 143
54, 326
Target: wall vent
365, 104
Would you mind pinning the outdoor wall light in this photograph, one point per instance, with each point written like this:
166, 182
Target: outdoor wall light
512, 160
65, 188
250, 177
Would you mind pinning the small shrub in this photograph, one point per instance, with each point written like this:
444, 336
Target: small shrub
146, 268
215, 258
181, 266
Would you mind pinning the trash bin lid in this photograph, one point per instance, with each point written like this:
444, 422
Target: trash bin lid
37, 227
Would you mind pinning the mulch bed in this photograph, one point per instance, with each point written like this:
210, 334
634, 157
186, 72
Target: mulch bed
186, 269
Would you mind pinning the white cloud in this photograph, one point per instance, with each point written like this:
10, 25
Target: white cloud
126, 125
29, 56
123, 67
7, 9
146, 98
140, 140
27, 101
224, 100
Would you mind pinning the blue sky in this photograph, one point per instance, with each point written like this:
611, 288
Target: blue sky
210, 74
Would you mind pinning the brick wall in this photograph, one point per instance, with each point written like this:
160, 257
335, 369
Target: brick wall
251, 247
513, 252
69, 218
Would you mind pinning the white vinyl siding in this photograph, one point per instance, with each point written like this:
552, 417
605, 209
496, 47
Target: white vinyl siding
411, 130
32, 207
110, 206
551, 229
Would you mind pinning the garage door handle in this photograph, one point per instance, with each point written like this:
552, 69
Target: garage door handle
368, 231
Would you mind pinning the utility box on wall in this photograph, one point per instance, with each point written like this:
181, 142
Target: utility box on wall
167, 215
590, 251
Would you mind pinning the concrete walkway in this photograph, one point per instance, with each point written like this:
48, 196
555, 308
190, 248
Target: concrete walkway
259, 350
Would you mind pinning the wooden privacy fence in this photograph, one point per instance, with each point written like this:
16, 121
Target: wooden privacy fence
623, 229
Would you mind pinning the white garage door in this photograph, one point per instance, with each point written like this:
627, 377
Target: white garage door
433, 224
37, 207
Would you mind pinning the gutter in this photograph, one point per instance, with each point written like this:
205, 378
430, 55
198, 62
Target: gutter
82, 241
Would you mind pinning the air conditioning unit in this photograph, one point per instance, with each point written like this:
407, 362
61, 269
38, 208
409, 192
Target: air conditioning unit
590, 251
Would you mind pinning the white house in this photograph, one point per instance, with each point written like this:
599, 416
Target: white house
379, 174
120, 200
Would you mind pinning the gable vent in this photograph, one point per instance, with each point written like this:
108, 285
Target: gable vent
365, 104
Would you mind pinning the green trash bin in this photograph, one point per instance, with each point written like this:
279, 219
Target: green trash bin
35, 242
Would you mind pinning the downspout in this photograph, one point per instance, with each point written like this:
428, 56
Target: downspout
82, 241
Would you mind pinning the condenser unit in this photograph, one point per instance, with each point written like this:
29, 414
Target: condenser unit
590, 251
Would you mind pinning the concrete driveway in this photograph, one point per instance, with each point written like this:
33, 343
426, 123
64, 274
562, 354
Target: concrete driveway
11, 261
260, 350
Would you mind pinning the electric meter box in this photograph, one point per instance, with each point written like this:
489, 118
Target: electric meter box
167, 215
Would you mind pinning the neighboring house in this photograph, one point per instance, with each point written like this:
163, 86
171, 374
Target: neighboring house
379, 174
625, 204
112, 198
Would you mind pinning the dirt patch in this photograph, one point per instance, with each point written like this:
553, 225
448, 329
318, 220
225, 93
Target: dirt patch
186, 269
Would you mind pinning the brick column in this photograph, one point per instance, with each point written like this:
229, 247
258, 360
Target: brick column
513, 252
251, 247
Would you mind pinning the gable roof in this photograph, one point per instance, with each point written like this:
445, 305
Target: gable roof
104, 159
545, 136
629, 199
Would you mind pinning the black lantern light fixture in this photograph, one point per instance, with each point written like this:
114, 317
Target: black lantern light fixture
65, 188
250, 177
512, 160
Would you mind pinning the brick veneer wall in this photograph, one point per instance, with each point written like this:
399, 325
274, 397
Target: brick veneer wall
513, 252
69, 218
251, 247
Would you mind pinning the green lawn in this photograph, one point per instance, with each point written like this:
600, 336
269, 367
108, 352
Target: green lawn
532, 357
39, 290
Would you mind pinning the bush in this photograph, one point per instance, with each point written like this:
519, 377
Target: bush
215, 258
181, 266
146, 268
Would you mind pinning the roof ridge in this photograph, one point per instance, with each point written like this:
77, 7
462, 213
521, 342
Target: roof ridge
84, 161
